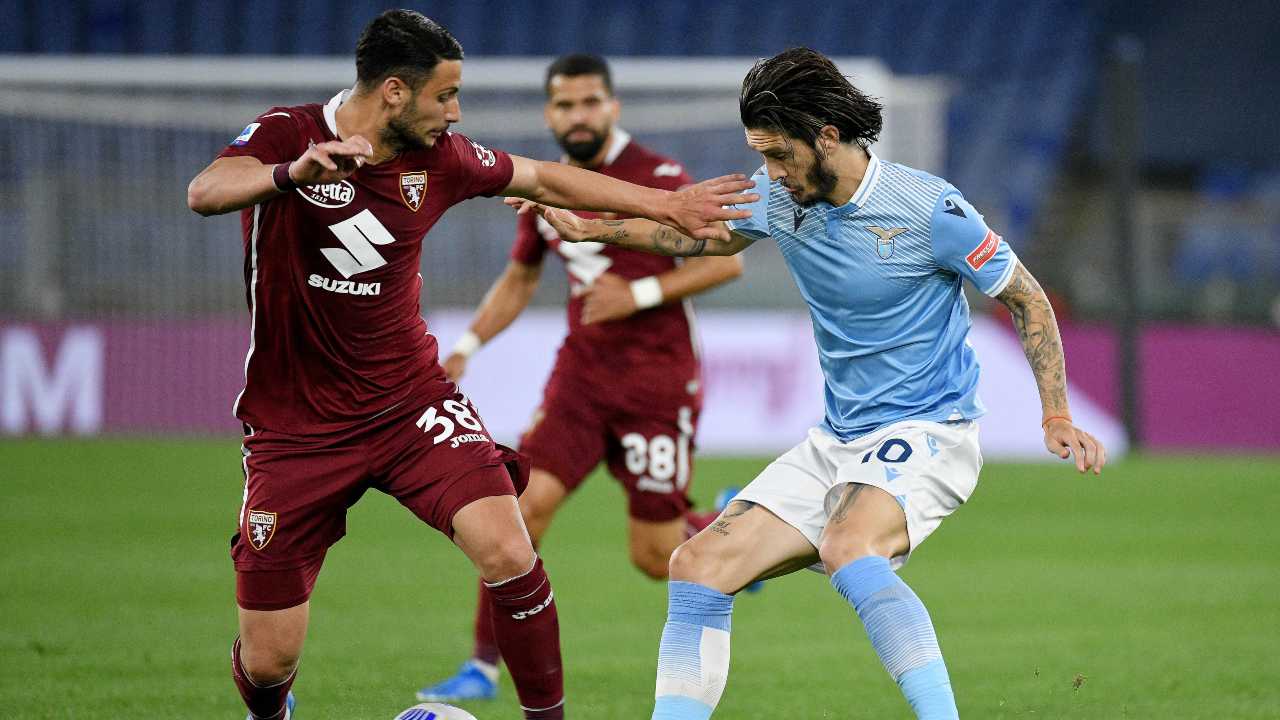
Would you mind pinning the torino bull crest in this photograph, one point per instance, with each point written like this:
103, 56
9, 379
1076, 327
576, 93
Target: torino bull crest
413, 188
261, 527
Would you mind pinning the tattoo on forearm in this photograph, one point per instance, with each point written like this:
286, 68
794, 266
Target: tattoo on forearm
1038, 329
670, 242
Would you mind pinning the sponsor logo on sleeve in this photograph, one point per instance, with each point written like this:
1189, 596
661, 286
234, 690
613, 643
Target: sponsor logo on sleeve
484, 154
413, 188
262, 527
984, 252
243, 137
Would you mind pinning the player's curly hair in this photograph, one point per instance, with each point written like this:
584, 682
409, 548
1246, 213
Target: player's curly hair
404, 44
799, 91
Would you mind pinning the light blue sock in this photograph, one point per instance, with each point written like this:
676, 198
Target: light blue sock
693, 658
902, 634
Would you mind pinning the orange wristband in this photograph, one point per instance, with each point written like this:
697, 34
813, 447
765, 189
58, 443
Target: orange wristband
1051, 418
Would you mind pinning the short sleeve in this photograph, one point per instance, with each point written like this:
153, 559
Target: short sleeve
529, 246
272, 138
964, 244
755, 227
484, 172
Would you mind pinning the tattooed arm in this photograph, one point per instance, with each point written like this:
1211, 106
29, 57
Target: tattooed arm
1038, 330
635, 234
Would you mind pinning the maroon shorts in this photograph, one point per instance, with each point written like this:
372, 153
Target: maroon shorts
648, 444
435, 459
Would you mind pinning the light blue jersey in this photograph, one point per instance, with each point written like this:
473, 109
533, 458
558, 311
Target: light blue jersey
881, 275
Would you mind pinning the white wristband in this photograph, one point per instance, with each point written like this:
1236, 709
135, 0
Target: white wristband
647, 292
467, 344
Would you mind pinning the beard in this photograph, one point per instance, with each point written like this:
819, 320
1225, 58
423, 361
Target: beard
821, 178
399, 135
582, 150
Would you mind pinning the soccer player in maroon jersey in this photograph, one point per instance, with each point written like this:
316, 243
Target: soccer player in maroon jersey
343, 391
626, 387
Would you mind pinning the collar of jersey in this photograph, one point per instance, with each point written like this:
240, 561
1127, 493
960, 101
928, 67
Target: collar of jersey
868, 184
331, 111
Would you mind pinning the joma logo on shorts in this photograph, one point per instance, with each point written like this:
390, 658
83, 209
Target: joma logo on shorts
468, 438
534, 610
345, 287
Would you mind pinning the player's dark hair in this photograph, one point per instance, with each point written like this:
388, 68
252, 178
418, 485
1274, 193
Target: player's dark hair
404, 44
799, 91
579, 64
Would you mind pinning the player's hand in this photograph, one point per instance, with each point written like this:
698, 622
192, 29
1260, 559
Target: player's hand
455, 366
570, 227
1064, 439
699, 210
608, 298
329, 162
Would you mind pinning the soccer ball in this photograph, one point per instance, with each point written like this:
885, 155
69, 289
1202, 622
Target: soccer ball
435, 711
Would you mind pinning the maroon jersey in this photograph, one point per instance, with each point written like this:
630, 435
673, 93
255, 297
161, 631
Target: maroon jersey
653, 350
332, 274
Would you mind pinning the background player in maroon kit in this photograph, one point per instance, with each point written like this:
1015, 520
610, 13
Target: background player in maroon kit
626, 387
343, 391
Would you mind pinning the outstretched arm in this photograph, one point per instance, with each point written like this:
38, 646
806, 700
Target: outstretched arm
697, 210
611, 297
1037, 327
233, 183
635, 233
504, 302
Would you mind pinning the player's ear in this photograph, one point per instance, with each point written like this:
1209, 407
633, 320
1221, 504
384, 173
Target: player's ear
828, 138
395, 92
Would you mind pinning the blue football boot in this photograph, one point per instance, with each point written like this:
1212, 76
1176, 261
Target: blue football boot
473, 681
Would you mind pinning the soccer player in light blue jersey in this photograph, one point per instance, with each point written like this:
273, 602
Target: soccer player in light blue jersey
879, 252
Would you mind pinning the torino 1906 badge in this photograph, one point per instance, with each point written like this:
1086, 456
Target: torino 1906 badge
262, 527
413, 188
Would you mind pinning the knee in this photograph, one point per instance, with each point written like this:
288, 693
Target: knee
840, 550
268, 663
506, 558
651, 560
689, 564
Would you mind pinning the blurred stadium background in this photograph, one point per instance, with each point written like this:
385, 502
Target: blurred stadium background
1126, 150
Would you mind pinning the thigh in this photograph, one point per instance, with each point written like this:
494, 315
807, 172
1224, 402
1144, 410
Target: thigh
651, 455
746, 543
491, 533
566, 437
794, 487
929, 469
439, 458
297, 492
273, 638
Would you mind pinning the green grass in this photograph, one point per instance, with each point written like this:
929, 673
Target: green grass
1152, 592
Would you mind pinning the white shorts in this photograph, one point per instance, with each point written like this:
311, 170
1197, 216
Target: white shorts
930, 468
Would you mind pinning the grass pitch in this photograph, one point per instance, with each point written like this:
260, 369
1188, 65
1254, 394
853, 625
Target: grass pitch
1151, 592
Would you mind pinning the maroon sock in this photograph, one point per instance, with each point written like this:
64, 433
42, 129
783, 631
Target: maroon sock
528, 633
486, 647
266, 703
695, 522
